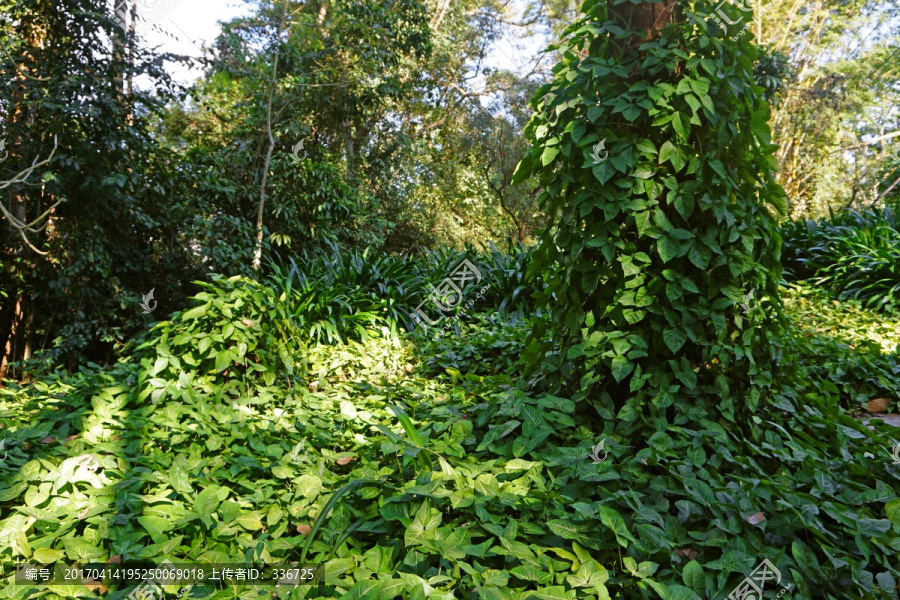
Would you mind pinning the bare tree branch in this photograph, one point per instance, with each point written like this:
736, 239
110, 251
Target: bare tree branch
869, 143
20, 225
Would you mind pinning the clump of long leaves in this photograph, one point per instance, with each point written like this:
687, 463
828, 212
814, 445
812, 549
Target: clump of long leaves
353, 294
856, 255
348, 294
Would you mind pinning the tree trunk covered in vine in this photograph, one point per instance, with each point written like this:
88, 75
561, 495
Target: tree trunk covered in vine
650, 17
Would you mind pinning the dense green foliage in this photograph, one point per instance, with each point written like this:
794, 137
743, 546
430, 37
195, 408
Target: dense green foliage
351, 294
113, 231
856, 255
223, 437
847, 350
162, 185
295, 410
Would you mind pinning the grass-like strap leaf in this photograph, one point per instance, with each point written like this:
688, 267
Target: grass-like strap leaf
422, 457
323, 516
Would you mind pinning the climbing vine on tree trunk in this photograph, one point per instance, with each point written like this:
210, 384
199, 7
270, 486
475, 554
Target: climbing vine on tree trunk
656, 160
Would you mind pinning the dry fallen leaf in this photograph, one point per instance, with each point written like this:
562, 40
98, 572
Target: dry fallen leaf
878, 405
314, 385
48, 440
687, 553
95, 586
344, 460
304, 529
83, 513
247, 322
115, 559
756, 519
71, 437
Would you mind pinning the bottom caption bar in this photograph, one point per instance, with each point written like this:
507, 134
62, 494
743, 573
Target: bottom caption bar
167, 573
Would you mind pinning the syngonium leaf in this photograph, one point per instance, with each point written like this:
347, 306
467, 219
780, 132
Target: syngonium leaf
308, 486
674, 338
206, 503
892, 511
423, 525
47, 555
81, 550
589, 574
694, 577
614, 521
673, 591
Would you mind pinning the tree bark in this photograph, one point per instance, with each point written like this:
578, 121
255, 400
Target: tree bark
647, 17
257, 259
15, 340
17, 329
118, 41
349, 148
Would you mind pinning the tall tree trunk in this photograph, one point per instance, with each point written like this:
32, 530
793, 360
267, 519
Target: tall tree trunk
257, 258
118, 41
349, 147
17, 329
15, 341
130, 80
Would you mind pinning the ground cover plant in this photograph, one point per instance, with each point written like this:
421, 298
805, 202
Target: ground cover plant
850, 350
254, 457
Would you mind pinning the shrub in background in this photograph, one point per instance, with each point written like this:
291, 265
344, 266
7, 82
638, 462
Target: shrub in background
854, 254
